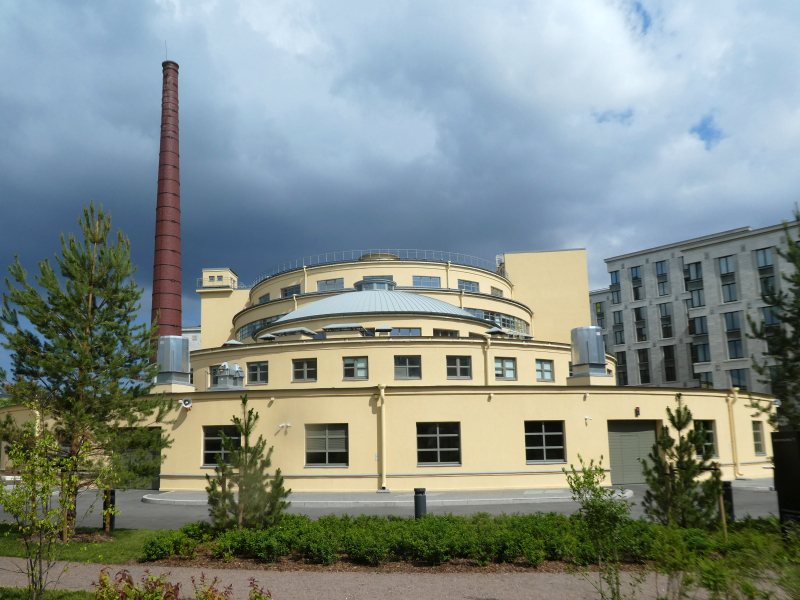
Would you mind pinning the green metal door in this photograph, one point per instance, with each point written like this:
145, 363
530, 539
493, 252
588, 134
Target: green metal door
629, 443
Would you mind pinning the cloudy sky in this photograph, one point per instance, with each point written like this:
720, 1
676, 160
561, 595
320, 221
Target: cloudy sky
478, 127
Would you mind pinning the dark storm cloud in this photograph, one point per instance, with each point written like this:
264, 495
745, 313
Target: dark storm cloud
475, 127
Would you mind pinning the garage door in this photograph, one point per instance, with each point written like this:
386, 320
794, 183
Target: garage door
629, 443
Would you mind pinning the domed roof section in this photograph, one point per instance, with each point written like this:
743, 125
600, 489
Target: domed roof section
374, 302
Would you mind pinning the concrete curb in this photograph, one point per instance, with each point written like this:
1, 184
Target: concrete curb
158, 499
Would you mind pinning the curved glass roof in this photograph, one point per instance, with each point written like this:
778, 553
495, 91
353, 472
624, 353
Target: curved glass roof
375, 302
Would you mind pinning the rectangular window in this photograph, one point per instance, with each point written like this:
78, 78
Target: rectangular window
758, 437
767, 286
698, 326
735, 349
641, 334
726, 265
622, 359
639, 314
292, 290
356, 367
616, 297
695, 271
770, 314
505, 368
212, 443
328, 285
700, 353
374, 277
706, 380
467, 286
710, 445
739, 379
448, 333
544, 370
729, 292
427, 281
304, 369
663, 288
408, 367
664, 310
598, 308
661, 267
258, 372
764, 257
617, 317
638, 292
697, 300
614, 277
622, 378
263, 299
497, 292
732, 321
326, 445
636, 273
213, 370
644, 366
670, 372
406, 332
459, 367
601, 322
619, 337
544, 441
439, 443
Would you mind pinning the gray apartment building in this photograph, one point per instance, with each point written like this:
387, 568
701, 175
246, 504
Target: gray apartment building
676, 315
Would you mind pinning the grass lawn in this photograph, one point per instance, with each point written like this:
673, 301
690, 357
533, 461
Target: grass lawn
127, 545
7, 593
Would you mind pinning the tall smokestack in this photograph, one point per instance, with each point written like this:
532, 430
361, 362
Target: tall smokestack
167, 264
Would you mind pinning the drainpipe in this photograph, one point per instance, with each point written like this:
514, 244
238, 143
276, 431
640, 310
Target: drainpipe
730, 400
461, 298
305, 281
486, 359
512, 291
294, 297
447, 269
382, 391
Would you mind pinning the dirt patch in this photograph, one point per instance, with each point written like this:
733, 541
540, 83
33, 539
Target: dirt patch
81, 537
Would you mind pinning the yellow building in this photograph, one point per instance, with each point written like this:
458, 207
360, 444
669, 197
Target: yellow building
396, 369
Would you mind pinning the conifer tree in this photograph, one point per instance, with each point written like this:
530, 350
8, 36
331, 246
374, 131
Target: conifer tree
676, 496
261, 498
780, 329
85, 358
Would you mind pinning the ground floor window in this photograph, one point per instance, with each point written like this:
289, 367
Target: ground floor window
708, 426
212, 442
439, 443
758, 437
326, 445
544, 441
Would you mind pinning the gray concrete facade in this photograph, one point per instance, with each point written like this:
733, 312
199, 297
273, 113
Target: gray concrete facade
708, 286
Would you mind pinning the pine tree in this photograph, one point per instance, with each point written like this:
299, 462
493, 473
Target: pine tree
676, 496
85, 359
261, 498
780, 366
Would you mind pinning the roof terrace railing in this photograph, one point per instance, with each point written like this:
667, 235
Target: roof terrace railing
382, 255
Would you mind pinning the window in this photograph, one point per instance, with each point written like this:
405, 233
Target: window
641, 334
601, 322
735, 349
598, 308
258, 372
212, 443
406, 332
427, 281
467, 286
729, 292
663, 288
739, 379
304, 369
770, 315
614, 277
505, 368
617, 317
639, 314
698, 326
263, 299
191, 376
644, 366
706, 380
665, 312
292, 290
695, 271
459, 367
619, 337
544, 370
356, 368
636, 273
638, 293
726, 265
616, 297
326, 445
709, 446
544, 441
328, 285
439, 443
622, 378
700, 353
758, 437
448, 333
497, 292
697, 300
374, 277
670, 373
732, 321
764, 257
661, 267
622, 359
408, 367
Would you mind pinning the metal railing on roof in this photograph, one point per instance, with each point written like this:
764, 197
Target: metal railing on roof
218, 281
384, 254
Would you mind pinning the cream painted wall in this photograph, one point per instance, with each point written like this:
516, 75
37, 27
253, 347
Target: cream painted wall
217, 308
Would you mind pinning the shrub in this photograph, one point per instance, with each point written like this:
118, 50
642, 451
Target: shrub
364, 546
200, 531
123, 587
317, 546
163, 544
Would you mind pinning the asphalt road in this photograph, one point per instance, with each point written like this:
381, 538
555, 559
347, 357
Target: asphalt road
135, 514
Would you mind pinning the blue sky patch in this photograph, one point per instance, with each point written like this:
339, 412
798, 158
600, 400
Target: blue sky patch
612, 116
708, 132
642, 16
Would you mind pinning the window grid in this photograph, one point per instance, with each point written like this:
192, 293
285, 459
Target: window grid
739, 378
729, 292
619, 338
709, 445
408, 367
663, 288
439, 443
614, 277
617, 317
706, 380
726, 265
292, 290
764, 257
544, 441
425, 281
616, 297
497, 292
212, 443
505, 368
636, 273
661, 267
767, 286
732, 322
701, 353
406, 332
356, 367
448, 333
758, 437
459, 367
468, 286
735, 349
327, 285
544, 370
327, 445
258, 372
644, 366
304, 369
